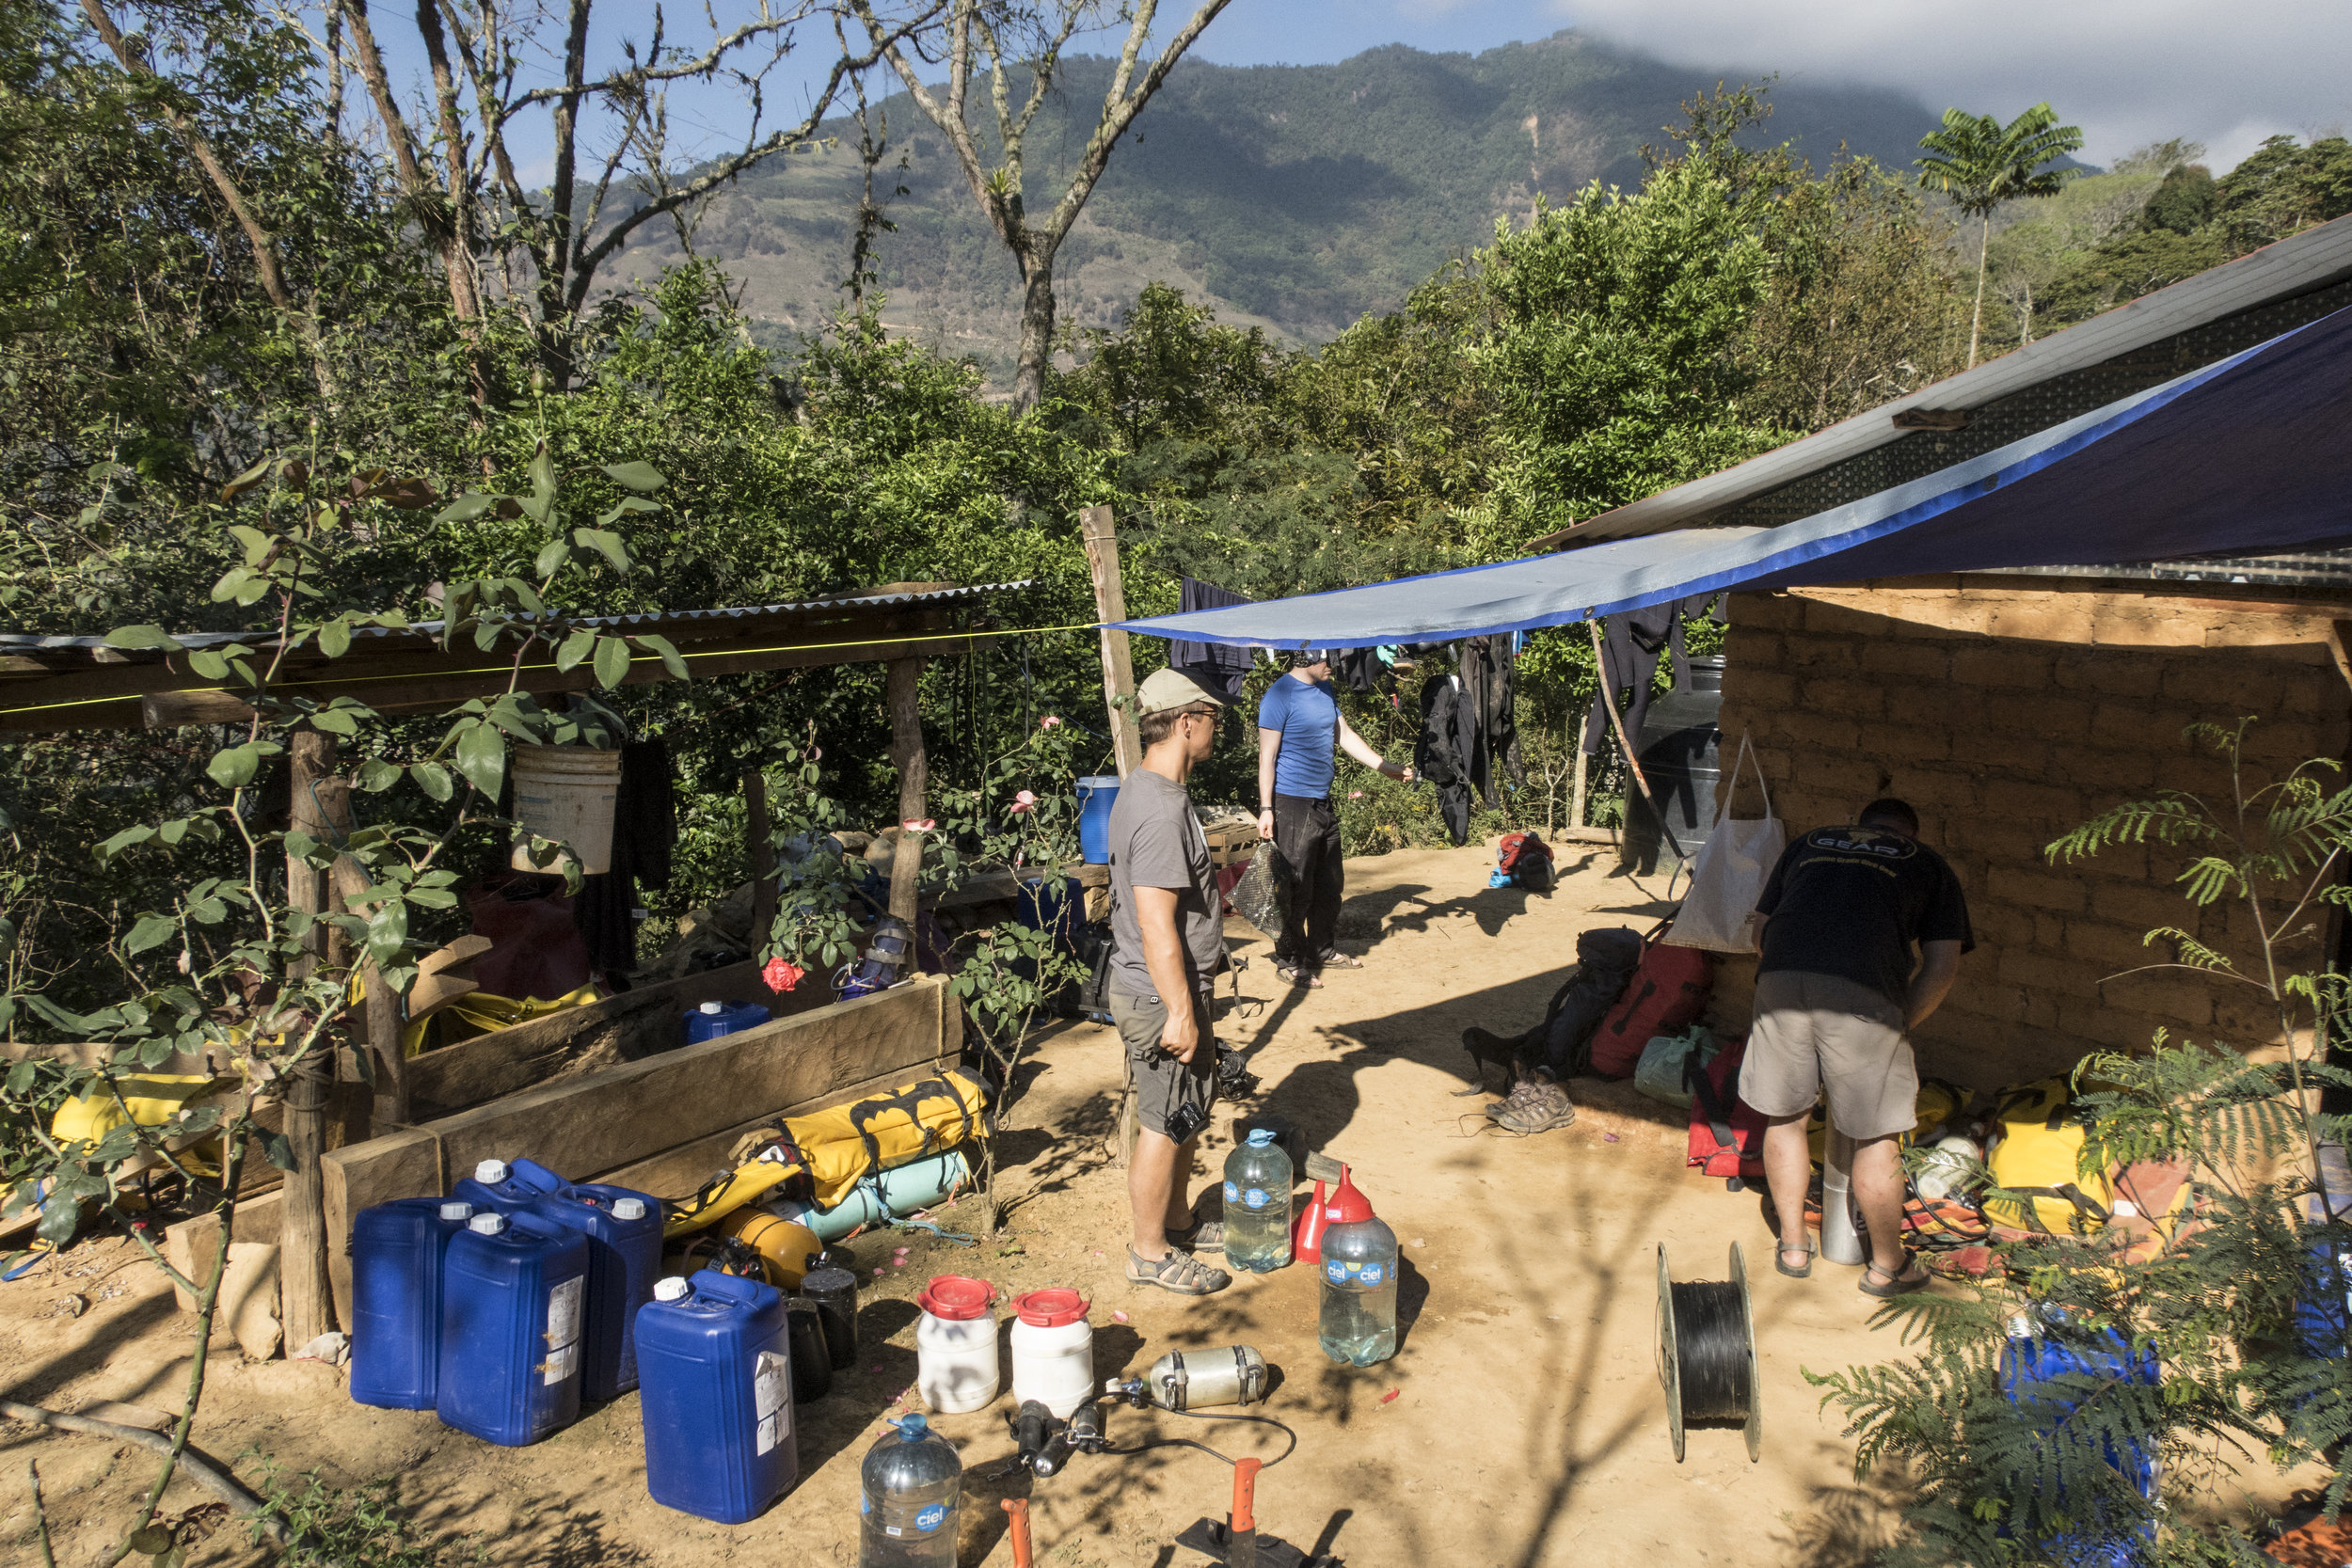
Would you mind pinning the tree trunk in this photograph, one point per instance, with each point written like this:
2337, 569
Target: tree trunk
1037, 335
907, 756
308, 1304
1976, 321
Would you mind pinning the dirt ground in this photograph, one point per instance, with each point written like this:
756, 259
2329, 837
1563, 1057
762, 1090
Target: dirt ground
1522, 1423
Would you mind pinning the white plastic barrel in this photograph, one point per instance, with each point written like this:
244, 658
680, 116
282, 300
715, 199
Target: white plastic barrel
955, 1345
1053, 1351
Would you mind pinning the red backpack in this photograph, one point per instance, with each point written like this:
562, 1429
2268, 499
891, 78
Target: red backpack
1665, 997
1726, 1132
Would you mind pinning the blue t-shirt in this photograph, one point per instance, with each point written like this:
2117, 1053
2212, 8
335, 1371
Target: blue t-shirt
1308, 717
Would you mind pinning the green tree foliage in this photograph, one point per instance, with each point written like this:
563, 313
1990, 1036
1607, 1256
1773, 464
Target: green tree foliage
1980, 163
2160, 217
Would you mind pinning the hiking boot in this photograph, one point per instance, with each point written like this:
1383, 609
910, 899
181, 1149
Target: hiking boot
1520, 1094
1544, 1109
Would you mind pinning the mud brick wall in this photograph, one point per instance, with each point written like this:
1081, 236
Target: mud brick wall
2008, 715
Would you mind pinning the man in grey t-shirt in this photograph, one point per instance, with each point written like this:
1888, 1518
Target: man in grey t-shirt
1167, 944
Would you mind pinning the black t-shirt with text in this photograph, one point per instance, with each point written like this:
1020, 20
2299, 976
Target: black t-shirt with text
1851, 901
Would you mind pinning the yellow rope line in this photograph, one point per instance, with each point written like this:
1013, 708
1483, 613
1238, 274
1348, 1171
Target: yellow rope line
510, 668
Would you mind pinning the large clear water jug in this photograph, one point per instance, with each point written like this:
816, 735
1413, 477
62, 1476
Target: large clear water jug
1258, 1187
1358, 1319
908, 1489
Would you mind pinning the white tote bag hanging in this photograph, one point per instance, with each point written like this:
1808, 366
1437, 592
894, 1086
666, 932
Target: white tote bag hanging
1728, 874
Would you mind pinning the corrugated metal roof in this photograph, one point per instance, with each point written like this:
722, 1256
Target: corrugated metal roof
642, 621
2299, 264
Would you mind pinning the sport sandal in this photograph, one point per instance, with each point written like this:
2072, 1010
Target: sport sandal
1901, 1283
1179, 1272
1780, 1257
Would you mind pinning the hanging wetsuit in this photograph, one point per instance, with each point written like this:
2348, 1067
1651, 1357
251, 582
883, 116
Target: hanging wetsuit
1216, 668
1630, 644
1439, 755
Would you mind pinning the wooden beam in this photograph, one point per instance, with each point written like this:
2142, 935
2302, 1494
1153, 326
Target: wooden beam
1110, 604
309, 1307
644, 1020
620, 1115
908, 757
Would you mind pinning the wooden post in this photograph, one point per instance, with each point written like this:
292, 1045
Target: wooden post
307, 1301
1576, 796
380, 1019
907, 756
761, 836
1110, 604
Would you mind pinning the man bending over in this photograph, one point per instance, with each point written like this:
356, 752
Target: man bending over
1837, 994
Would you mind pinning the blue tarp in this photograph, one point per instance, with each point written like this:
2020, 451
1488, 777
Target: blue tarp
2247, 455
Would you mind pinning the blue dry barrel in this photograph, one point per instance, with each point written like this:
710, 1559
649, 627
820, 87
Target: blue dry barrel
716, 1394
513, 1301
2050, 1376
396, 1254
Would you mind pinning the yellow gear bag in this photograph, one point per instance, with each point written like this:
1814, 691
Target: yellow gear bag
2039, 1158
889, 1128
838, 1148
152, 1099
487, 1013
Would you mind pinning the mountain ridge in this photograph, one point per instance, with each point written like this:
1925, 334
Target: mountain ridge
1293, 198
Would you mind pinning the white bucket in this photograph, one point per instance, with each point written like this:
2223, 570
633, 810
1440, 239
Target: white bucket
565, 793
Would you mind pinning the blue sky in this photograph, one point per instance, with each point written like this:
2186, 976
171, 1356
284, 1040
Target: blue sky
2129, 71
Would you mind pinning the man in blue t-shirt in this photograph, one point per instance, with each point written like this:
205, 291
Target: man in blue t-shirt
1300, 732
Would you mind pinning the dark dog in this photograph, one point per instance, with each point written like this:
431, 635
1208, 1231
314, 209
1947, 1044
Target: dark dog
1489, 1052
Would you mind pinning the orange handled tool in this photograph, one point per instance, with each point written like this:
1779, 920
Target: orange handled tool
1018, 1511
1242, 1535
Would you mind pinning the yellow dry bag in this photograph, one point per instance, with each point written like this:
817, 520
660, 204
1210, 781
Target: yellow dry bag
2038, 1159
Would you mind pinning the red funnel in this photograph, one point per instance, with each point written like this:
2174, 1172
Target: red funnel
1347, 1205
1307, 1234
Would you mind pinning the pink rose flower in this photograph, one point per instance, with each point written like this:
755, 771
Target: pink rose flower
781, 974
923, 825
1355, 794
1026, 801
1049, 721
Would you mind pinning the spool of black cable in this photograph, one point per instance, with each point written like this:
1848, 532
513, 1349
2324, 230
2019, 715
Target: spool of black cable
1706, 1353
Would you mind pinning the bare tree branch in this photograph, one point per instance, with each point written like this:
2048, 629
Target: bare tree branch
263, 243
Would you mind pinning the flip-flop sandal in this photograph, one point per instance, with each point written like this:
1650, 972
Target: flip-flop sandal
1780, 1259
1343, 961
1179, 1272
1901, 1284
1303, 978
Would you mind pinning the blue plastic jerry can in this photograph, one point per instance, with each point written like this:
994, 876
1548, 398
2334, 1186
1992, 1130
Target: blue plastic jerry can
715, 1389
397, 1250
623, 1230
502, 1185
514, 1307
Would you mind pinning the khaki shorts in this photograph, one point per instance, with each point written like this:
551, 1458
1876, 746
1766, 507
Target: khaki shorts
1819, 1031
1164, 1084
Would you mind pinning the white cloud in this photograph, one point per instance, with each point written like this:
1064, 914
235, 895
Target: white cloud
2128, 71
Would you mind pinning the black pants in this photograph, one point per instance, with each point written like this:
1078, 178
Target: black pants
1306, 836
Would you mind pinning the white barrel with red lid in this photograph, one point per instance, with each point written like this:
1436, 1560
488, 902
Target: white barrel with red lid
955, 1344
1052, 1349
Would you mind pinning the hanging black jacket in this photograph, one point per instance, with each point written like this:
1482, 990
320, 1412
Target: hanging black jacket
1438, 755
1491, 686
1214, 667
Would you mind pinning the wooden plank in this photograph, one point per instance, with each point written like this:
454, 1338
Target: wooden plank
625, 1028
621, 1115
